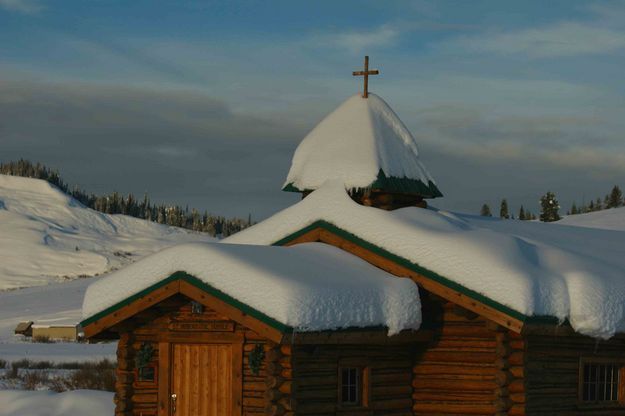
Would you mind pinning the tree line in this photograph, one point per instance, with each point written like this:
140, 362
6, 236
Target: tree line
550, 208
116, 203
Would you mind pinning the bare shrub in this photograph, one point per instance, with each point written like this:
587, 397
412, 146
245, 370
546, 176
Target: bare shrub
34, 379
43, 339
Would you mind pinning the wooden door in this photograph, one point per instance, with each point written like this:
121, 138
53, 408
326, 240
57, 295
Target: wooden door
204, 381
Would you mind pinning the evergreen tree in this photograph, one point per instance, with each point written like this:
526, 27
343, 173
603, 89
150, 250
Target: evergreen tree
615, 199
574, 210
549, 207
522, 213
503, 209
485, 211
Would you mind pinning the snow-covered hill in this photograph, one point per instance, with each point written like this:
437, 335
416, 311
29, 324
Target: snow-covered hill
47, 236
607, 219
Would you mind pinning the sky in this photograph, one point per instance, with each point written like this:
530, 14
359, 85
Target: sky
202, 103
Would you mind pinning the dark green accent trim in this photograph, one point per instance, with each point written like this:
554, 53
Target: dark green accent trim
285, 329
406, 263
128, 300
290, 188
405, 186
200, 285
390, 184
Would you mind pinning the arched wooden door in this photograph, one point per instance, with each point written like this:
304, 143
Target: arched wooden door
203, 381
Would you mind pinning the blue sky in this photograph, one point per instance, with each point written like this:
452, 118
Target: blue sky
204, 102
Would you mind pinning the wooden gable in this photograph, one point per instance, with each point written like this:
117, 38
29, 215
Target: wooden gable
193, 288
322, 231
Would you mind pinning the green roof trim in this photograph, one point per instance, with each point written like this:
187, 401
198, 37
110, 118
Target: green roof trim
410, 265
200, 285
248, 310
392, 184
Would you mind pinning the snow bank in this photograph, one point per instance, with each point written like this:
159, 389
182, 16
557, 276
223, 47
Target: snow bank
309, 287
607, 219
46, 235
51, 304
534, 268
353, 143
45, 403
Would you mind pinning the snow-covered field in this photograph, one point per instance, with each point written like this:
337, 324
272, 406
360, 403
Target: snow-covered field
47, 241
45, 403
54, 303
47, 236
607, 219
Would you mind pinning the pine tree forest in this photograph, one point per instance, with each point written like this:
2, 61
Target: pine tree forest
143, 208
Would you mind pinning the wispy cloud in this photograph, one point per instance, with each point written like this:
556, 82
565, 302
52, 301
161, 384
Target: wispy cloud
22, 6
358, 41
557, 40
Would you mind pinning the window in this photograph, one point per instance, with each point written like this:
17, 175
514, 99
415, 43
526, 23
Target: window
353, 386
600, 382
146, 376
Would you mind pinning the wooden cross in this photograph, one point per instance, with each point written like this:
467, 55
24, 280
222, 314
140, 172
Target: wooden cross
366, 73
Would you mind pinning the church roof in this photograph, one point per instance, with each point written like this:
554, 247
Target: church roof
525, 270
364, 144
310, 287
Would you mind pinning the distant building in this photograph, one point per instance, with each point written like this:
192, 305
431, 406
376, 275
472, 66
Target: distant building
55, 332
24, 328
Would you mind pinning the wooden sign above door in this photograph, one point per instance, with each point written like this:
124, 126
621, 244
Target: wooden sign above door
212, 326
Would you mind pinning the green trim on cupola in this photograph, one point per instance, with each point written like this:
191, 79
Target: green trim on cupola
391, 184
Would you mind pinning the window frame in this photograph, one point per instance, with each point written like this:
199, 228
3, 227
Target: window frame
362, 386
615, 361
142, 383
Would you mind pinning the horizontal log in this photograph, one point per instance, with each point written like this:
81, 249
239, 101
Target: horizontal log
379, 392
517, 397
144, 398
451, 396
442, 369
454, 385
454, 408
517, 410
516, 386
455, 357
254, 401
517, 371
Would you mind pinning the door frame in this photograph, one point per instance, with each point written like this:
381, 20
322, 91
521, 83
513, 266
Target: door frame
165, 357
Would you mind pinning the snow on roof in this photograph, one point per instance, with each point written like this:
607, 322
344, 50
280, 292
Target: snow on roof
534, 268
353, 143
309, 287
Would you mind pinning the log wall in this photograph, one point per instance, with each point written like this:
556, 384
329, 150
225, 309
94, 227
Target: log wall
156, 325
552, 365
388, 391
467, 368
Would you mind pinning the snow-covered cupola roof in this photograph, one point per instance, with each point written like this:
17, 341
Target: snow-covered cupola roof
364, 144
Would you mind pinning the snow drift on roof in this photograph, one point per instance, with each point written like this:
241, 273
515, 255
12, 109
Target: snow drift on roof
309, 287
534, 268
353, 143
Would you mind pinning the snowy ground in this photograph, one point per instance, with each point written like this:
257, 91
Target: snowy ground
46, 236
58, 303
45, 403
607, 219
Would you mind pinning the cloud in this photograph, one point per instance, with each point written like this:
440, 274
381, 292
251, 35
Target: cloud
179, 145
22, 6
558, 40
358, 41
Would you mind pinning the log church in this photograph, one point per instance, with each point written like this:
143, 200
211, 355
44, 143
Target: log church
362, 300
